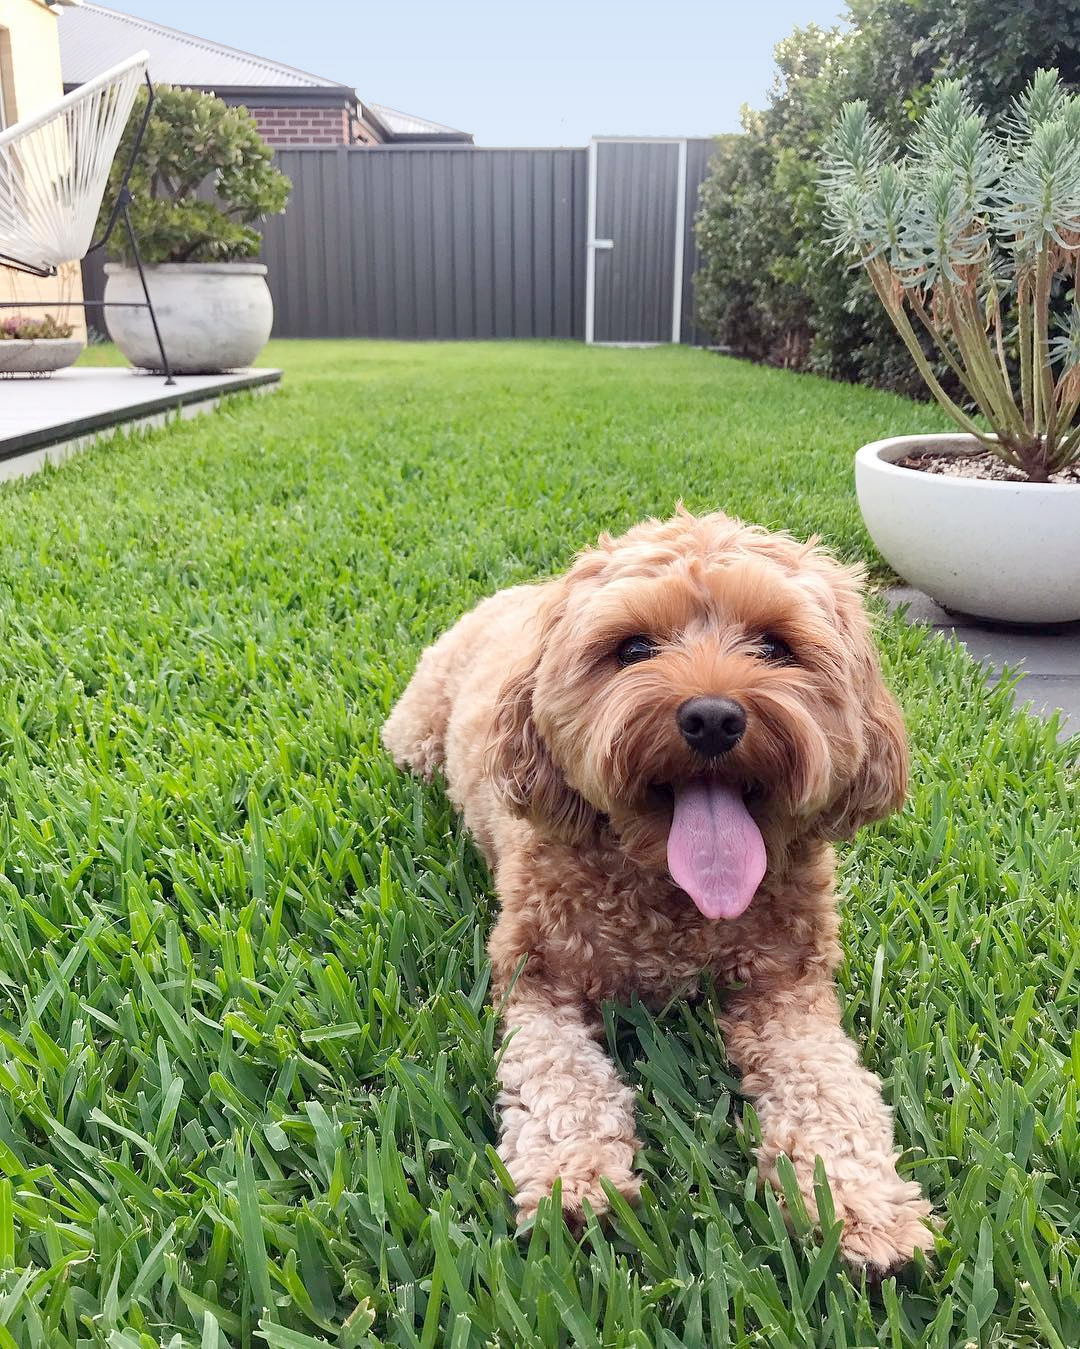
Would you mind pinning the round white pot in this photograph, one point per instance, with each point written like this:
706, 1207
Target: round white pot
1006, 551
213, 316
38, 355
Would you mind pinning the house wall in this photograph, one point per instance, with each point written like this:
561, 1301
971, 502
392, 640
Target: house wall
303, 126
30, 72
364, 134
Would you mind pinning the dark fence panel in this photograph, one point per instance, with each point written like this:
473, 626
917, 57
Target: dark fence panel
438, 242
636, 196
430, 242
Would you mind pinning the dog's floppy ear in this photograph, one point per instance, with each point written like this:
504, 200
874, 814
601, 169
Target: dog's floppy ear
879, 783
520, 762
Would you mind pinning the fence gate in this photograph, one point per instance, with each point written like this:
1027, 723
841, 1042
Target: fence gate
636, 240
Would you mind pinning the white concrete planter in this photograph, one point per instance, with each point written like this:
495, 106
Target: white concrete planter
1007, 551
38, 355
213, 316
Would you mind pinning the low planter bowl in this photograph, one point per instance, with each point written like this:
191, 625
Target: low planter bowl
213, 316
38, 355
1004, 551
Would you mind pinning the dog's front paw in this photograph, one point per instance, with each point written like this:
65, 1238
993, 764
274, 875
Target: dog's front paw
579, 1169
420, 758
881, 1237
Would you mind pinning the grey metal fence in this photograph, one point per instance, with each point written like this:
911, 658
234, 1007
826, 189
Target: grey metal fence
443, 242
424, 241
643, 201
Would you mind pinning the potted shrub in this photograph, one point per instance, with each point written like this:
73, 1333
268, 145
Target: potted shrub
30, 346
970, 242
202, 180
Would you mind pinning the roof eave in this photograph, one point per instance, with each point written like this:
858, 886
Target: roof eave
428, 137
278, 96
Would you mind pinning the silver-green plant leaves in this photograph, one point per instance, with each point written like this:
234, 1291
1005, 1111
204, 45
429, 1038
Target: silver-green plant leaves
966, 238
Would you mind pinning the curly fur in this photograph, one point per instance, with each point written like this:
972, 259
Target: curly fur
561, 760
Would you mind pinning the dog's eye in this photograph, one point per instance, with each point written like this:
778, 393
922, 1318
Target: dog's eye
774, 649
636, 649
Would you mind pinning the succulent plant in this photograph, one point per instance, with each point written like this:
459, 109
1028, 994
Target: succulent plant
19, 328
969, 237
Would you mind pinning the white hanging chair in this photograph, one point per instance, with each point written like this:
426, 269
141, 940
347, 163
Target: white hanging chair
54, 169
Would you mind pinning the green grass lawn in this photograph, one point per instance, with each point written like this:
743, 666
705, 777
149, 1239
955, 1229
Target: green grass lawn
246, 1078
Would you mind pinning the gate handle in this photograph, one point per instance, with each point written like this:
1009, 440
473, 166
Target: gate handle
601, 243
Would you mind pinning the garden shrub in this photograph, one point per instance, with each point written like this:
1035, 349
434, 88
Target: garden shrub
768, 286
202, 181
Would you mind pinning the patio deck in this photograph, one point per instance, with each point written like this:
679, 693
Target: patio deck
46, 420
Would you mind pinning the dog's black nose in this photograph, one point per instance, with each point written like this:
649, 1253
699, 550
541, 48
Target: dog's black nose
711, 726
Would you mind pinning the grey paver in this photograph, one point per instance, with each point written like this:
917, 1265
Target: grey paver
1048, 662
1047, 692
1037, 655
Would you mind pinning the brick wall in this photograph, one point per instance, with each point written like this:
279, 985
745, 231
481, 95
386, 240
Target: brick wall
303, 126
363, 134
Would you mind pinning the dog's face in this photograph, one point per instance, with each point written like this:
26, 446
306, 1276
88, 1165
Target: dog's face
705, 688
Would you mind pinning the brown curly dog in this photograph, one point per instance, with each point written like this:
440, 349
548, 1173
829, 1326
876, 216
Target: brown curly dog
655, 752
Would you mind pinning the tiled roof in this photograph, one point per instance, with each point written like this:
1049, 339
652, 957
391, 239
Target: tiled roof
93, 38
403, 126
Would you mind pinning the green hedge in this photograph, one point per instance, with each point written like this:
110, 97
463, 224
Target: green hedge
768, 286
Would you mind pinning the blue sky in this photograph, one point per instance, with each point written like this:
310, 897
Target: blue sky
550, 74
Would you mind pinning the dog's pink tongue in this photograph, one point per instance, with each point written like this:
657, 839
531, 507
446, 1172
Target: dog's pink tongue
715, 850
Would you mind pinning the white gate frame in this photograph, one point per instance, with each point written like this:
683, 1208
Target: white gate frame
593, 244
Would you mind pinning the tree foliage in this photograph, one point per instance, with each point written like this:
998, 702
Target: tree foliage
203, 179
769, 286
